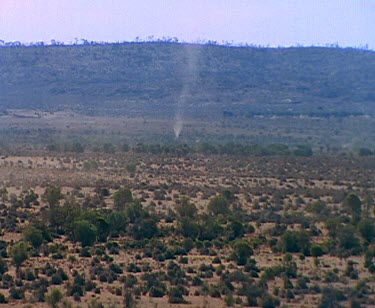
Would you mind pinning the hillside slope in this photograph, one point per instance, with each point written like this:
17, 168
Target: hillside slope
156, 79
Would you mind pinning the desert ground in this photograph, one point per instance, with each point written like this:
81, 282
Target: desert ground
235, 200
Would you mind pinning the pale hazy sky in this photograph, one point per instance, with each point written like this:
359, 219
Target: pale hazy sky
274, 22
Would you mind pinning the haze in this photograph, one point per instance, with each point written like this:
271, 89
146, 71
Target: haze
265, 22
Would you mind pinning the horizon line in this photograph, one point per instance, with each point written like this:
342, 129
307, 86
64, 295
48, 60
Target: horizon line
173, 40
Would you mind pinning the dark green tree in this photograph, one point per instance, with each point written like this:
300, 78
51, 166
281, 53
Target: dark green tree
134, 211
103, 228
52, 195
53, 297
176, 296
33, 235
117, 221
218, 205
295, 241
234, 230
368, 203
367, 229
333, 225
61, 218
19, 254
121, 198
31, 197
241, 252
84, 232
316, 250
347, 239
331, 298
188, 227
185, 208
3, 266
145, 228
354, 205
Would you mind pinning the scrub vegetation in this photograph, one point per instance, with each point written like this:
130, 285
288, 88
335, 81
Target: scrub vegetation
264, 197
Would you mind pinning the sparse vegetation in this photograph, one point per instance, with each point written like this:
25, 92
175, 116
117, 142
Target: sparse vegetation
100, 210
157, 234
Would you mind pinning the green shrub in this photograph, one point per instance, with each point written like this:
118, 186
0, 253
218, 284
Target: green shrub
241, 252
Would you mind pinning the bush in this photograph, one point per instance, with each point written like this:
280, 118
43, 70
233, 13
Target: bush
176, 296
348, 240
2, 299
350, 271
158, 291
121, 198
19, 253
3, 266
302, 283
53, 297
33, 235
188, 244
218, 205
241, 252
367, 229
56, 279
214, 292
133, 268
316, 250
16, 293
234, 230
295, 241
52, 195
84, 232
229, 300
331, 297
354, 205
115, 268
188, 227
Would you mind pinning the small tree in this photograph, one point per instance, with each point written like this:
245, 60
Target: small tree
53, 297
295, 241
121, 198
368, 202
218, 205
241, 252
134, 211
353, 204
3, 267
185, 208
33, 235
3, 194
188, 227
19, 254
117, 221
84, 232
234, 230
131, 168
176, 296
347, 239
331, 298
52, 195
367, 229
333, 225
316, 250
146, 228
129, 299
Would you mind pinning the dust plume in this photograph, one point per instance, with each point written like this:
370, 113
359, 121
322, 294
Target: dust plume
190, 74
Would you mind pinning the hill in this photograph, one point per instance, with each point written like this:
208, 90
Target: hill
158, 79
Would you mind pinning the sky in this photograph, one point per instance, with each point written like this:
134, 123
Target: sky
260, 22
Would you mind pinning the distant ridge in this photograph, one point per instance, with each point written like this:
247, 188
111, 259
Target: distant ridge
146, 79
